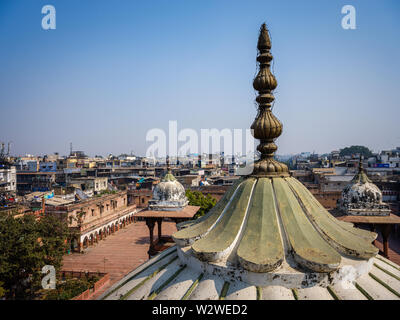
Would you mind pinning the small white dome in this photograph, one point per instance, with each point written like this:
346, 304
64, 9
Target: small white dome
362, 197
169, 194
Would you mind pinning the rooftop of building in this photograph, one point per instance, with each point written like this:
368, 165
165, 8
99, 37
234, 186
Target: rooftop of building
166, 277
186, 212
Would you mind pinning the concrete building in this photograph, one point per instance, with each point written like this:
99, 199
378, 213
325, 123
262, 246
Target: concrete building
32, 166
97, 184
8, 179
48, 166
140, 198
28, 182
189, 180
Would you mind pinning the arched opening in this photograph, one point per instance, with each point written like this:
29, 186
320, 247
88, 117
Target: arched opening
74, 245
101, 234
96, 237
108, 230
112, 228
105, 232
91, 239
85, 242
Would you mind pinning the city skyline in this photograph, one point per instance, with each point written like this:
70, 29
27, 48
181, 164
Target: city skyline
110, 72
199, 150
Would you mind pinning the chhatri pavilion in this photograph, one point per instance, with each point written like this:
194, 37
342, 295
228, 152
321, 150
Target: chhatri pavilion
169, 203
362, 197
361, 203
267, 238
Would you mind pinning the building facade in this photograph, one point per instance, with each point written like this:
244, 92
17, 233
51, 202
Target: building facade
8, 179
95, 218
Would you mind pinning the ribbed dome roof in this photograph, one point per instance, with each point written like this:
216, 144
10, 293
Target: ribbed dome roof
264, 223
269, 225
169, 194
362, 197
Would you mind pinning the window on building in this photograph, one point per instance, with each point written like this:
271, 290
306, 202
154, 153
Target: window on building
92, 212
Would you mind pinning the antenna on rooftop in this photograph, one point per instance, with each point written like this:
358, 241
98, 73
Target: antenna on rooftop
3, 154
8, 148
2, 150
70, 148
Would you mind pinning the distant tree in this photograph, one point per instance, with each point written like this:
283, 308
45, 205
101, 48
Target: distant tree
27, 244
348, 151
196, 198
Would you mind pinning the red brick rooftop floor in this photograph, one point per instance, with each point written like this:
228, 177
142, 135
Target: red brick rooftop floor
124, 250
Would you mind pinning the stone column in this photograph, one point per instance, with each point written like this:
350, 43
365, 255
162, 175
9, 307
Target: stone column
159, 223
386, 229
150, 224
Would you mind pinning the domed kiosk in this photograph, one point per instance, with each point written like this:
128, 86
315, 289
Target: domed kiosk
362, 197
169, 203
169, 194
267, 238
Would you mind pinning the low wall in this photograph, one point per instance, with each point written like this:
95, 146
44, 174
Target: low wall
86, 295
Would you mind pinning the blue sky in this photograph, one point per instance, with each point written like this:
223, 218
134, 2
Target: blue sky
112, 70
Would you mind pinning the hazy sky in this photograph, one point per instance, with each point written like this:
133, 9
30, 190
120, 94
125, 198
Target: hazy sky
112, 70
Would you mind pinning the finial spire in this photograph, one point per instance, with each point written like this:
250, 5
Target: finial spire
266, 126
361, 176
168, 165
169, 176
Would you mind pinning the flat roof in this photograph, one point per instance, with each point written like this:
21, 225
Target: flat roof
186, 212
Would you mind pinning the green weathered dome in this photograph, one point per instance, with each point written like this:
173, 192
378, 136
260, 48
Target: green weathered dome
261, 222
269, 218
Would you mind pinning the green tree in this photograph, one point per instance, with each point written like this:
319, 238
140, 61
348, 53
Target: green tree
196, 198
70, 288
2, 290
348, 151
26, 245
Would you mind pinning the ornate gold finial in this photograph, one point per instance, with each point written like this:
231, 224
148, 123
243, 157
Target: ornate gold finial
361, 175
360, 163
168, 176
266, 126
168, 165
